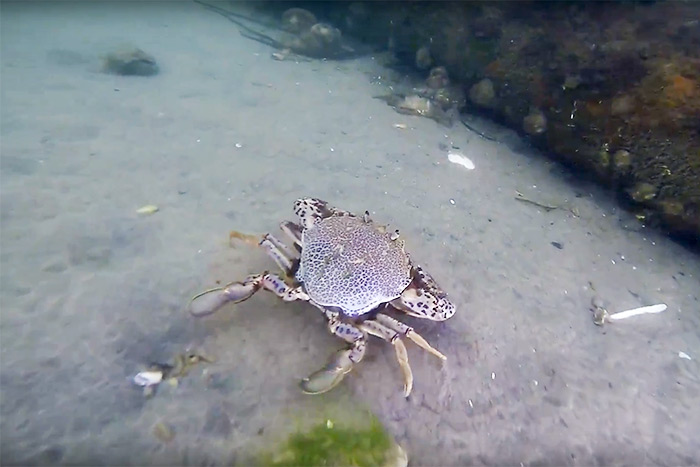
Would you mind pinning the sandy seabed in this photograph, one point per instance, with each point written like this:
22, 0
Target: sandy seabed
227, 138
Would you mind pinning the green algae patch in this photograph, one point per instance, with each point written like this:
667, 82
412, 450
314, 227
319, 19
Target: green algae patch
331, 444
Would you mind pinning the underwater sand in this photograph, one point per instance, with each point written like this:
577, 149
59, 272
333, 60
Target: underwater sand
91, 290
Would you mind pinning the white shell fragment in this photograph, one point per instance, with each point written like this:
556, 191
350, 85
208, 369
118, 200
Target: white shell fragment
638, 311
684, 355
147, 209
459, 159
148, 378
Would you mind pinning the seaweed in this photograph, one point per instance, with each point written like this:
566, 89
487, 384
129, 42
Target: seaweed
331, 444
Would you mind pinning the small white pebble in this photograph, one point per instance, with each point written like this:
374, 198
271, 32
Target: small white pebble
148, 378
332, 150
452, 201
684, 355
493, 375
471, 404
536, 382
239, 145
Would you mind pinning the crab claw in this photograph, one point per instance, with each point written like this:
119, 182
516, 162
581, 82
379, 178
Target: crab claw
330, 375
212, 300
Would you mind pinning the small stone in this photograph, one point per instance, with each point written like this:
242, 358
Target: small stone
163, 432
622, 160
438, 78
535, 123
643, 192
483, 93
130, 61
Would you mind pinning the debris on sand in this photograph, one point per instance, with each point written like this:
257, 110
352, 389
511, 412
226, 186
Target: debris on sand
460, 159
638, 311
156, 373
148, 209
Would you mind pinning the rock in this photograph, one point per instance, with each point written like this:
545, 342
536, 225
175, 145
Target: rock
603, 73
130, 62
482, 93
622, 160
643, 192
321, 41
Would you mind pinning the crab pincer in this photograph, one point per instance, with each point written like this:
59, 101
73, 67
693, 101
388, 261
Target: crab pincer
210, 301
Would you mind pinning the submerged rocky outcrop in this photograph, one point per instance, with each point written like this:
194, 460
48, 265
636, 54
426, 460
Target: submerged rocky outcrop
612, 88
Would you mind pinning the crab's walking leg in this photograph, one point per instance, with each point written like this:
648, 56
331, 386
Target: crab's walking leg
341, 363
212, 300
379, 330
279, 252
409, 332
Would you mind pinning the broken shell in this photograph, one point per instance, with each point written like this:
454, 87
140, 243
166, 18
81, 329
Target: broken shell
459, 159
279, 56
147, 209
638, 311
148, 378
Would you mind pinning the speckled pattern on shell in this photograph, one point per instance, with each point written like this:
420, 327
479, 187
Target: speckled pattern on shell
350, 264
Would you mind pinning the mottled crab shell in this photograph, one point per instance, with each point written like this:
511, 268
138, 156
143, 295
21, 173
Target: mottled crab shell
352, 265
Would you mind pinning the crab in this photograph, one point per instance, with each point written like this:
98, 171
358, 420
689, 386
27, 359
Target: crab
351, 269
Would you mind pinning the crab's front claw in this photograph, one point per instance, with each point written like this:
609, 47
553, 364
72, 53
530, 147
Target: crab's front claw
330, 375
212, 300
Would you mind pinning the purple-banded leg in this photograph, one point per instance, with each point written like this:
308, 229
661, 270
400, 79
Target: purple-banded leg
408, 331
212, 300
342, 361
279, 252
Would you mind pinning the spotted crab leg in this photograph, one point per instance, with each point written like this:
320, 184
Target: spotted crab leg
212, 300
341, 363
409, 332
379, 330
